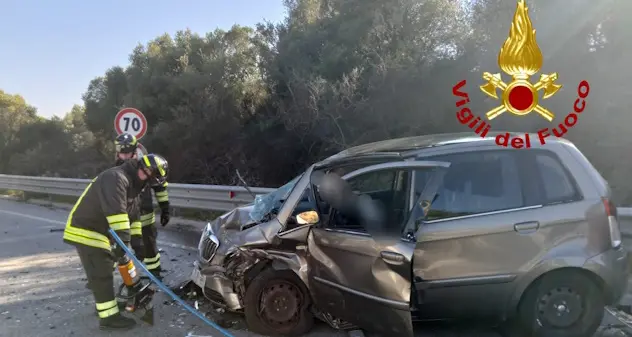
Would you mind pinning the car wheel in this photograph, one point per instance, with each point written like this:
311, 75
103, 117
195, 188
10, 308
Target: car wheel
561, 304
276, 303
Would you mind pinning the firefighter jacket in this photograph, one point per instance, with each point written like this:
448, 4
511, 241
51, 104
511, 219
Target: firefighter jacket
134, 209
162, 197
146, 207
107, 203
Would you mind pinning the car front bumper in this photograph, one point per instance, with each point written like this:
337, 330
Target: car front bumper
613, 266
216, 286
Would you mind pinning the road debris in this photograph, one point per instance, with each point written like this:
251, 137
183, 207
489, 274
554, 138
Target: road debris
190, 334
623, 317
165, 289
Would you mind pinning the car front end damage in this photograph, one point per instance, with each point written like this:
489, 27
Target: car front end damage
232, 250
249, 253
221, 263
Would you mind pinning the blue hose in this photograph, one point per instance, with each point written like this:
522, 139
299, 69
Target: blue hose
164, 288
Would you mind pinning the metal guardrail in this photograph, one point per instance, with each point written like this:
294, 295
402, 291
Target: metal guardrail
190, 196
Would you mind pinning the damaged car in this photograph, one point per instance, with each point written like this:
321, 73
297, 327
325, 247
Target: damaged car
436, 227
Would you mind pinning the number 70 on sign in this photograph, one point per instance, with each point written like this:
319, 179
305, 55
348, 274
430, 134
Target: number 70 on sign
132, 121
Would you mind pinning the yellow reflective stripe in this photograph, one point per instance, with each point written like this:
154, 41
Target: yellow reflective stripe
165, 184
87, 241
118, 221
109, 312
107, 309
148, 219
160, 165
153, 265
120, 226
146, 160
136, 228
84, 236
117, 218
161, 193
162, 198
152, 259
106, 305
87, 234
74, 208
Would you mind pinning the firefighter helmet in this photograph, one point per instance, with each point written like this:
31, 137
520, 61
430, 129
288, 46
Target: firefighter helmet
157, 166
125, 143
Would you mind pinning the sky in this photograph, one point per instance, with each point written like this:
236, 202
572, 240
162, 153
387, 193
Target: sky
50, 50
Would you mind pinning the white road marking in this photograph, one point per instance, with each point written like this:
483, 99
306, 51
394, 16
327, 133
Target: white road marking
34, 217
57, 222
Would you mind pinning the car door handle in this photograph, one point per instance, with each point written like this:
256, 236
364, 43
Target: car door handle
392, 258
527, 227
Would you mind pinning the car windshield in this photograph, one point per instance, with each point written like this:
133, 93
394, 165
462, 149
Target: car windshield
266, 203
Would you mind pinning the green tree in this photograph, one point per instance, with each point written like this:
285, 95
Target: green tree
14, 114
271, 99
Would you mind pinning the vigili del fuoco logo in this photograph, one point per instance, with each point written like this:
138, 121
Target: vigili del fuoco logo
519, 57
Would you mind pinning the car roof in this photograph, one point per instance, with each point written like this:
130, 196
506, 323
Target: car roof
399, 147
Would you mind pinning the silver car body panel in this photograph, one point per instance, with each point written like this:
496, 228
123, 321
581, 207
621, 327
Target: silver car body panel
456, 263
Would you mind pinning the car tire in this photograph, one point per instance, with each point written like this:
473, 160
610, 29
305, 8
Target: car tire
565, 303
277, 303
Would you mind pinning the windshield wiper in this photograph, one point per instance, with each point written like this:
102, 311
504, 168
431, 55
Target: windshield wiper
245, 184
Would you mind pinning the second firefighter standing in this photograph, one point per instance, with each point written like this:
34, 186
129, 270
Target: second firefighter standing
147, 249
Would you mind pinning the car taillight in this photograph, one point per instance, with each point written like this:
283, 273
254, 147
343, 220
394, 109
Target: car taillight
613, 223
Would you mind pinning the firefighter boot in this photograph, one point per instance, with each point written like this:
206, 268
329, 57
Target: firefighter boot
156, 272
116, 322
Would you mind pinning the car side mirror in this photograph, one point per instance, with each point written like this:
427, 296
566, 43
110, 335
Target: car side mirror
307, 218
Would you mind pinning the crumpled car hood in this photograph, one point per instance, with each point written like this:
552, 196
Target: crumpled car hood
233, 220
229, 229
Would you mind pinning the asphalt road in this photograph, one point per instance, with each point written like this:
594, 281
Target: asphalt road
42, 289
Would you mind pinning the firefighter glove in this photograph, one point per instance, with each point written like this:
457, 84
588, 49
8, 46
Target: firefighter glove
164, 216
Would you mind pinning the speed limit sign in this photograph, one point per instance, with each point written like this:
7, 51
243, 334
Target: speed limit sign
132, 121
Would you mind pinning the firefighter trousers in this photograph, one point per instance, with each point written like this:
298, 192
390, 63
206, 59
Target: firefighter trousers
97, 264
136, 240
150, 233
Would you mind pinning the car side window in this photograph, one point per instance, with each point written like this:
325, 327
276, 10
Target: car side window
373, 182
476, 182
389, 187
556, 184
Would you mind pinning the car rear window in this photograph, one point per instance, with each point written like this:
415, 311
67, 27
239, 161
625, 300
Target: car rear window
557, 185
476, 182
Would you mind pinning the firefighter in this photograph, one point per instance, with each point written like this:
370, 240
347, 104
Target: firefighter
147, 219
105, 204
126, 146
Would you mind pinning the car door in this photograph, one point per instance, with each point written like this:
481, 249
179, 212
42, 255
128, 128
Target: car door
481, 233
361, 279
